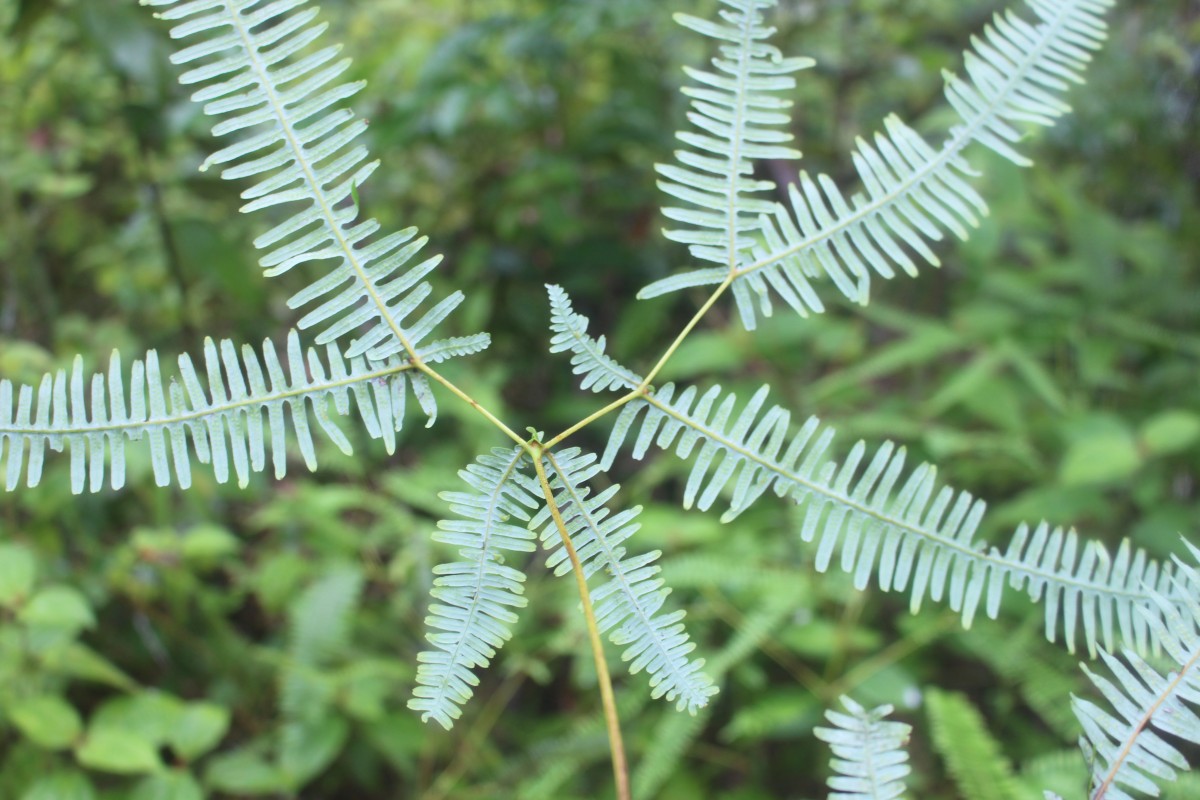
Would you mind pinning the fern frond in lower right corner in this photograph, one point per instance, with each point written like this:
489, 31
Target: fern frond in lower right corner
1127, 750
868, 753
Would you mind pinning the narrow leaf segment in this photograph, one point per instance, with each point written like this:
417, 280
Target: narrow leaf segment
907, 532
223, 421
1125, 743
597, 370
477, 593
869, 759
628, 605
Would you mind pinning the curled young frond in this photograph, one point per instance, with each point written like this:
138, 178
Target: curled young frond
1125, 742
598, 371
628, 604
260, 68
869, 758
477, 593
222, 414
908, 533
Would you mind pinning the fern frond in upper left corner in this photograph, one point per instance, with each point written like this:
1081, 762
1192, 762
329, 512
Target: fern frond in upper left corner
260, 72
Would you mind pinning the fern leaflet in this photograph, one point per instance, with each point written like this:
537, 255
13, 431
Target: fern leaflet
259, 71
973, 757
1128, 750
739, 115
477, 593
905, 532
629, 603
868, 753
913, 192
598, 370
95, 422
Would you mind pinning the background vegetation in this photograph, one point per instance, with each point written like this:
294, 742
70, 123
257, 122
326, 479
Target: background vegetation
225, 643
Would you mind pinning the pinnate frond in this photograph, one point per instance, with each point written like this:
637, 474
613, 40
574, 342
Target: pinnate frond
628, 604
220, 414
914, 193
868, 753
599, 371
740, 117
1125, 741
906, 531
260, 69
474, 618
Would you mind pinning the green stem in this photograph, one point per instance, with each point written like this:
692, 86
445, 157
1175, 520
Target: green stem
612, 720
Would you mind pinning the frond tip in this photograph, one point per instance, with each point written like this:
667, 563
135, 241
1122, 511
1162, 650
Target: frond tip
223, 420
629, 603
473, 620
599, 371
740, 118
1127, 750
869, 758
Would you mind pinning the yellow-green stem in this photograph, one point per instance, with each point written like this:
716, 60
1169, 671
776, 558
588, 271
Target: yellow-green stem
644, 386
608, 700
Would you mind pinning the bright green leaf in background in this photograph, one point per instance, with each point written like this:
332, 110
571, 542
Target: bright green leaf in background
48, 720
17, 571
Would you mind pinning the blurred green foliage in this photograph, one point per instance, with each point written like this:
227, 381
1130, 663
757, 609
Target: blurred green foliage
220, 643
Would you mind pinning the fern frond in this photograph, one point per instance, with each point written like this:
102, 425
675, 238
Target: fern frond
259, 71
629, 603
913, 193
224, 422
868, 753
599, 371
477, 593
740, 118
973, 756
1127, 748
906, 532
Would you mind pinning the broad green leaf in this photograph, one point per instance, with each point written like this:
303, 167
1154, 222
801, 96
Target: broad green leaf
118, 751
77, 660
48, 721
1170, 432
64, 785
307, 748
169, 785
17, 571
198, 729
206, 545
152, 716
60, 607
243, 773
1103, 451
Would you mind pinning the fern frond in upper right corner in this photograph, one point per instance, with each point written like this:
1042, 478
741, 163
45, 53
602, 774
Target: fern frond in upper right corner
913, 193
1127, 751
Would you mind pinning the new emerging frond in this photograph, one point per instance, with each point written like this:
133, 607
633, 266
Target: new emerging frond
629, 603
259, 71
907, 532
599, 371
1125, 744
223, 421
474, 618
914, 193
868, 753
740, 118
